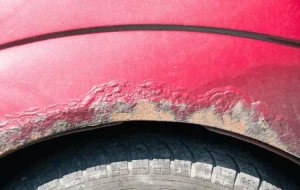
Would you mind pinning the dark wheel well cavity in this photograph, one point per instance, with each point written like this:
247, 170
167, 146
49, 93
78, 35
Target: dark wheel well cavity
40, 151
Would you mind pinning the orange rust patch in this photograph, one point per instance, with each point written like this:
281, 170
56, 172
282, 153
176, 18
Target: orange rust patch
205, 117
35, 136
143, 111
213, 119
233, 125
240, 125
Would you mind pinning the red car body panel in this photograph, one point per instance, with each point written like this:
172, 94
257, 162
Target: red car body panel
25, 18
57, 84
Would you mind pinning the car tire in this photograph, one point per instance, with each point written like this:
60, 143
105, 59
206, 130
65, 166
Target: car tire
152, 161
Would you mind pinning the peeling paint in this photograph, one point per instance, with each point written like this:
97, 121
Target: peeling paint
239, 122
227, 108
143, 110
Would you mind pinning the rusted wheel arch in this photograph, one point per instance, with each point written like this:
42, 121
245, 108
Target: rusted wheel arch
116, 102
212, 129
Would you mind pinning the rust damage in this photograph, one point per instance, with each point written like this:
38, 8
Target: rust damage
224, 108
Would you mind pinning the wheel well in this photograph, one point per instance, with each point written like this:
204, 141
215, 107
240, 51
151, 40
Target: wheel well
44, 150
39, 150
209, 128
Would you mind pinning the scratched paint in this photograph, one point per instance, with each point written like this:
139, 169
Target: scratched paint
226, 108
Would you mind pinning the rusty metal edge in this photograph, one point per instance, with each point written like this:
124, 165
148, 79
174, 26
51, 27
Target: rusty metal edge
209, 128
256, 143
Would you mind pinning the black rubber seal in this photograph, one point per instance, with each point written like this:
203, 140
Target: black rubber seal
154, 27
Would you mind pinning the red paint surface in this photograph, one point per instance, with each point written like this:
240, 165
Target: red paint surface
54, 72
26, 18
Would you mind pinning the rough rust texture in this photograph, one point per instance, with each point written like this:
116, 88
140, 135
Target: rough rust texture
225, 108
143, 110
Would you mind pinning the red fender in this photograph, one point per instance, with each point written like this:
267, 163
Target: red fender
228, 65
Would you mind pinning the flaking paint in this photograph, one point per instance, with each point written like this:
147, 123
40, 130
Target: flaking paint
117, 101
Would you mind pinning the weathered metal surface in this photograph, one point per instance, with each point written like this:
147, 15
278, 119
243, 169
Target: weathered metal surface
127, 101
246, 86
241, 93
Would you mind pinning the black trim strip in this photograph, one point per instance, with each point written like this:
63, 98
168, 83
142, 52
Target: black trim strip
155, 27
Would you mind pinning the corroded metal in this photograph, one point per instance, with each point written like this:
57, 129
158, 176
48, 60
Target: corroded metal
227, 108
